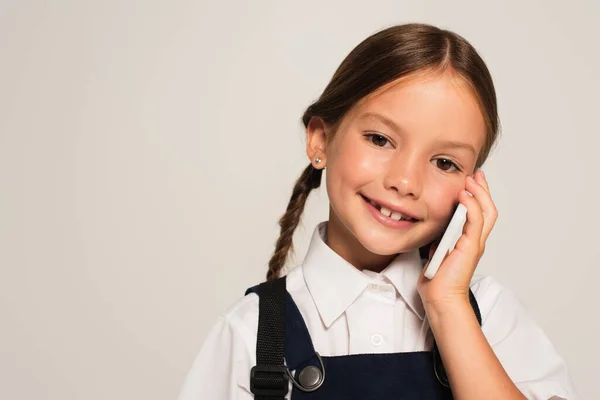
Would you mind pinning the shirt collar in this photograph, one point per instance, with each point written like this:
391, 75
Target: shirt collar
335, 284
403, 272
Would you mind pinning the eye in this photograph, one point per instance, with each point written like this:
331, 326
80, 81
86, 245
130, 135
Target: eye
377, 139
445, 165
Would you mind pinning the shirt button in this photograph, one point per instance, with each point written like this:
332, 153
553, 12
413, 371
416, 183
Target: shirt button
376, 339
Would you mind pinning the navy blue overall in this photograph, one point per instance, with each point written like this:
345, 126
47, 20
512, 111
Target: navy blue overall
409, 375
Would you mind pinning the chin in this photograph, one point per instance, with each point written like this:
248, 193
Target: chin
384, 245
386, 250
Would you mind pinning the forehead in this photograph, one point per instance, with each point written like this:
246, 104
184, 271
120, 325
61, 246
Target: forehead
427, 106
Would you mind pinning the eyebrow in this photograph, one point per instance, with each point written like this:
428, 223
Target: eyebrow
445, 143
458, 145
381, 118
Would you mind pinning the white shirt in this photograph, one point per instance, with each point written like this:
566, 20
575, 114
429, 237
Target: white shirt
348, 311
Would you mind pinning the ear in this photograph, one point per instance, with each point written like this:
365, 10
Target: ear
316, 141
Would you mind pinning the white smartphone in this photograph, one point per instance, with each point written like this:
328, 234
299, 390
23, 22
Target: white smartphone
451, 235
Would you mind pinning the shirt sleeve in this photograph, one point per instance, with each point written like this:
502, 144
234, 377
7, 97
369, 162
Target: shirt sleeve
521, 346
221, 368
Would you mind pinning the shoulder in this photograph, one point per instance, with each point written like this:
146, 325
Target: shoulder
242, 314
502, 312
494, 297
486, 285
221, 368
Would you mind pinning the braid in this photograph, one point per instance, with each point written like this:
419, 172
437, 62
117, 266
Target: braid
309, 180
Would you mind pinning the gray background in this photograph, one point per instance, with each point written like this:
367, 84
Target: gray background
147, 149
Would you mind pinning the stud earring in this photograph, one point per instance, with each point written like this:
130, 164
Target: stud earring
318, 160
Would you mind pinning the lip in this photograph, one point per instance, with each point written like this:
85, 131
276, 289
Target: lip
390, 207
387, 221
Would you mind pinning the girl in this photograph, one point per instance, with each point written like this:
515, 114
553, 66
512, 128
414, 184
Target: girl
406, 120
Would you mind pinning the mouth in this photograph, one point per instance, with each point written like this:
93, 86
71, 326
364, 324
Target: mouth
389, 213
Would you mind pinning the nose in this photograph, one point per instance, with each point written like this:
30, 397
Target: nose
404, 175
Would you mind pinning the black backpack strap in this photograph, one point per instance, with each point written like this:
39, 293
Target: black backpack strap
438, 366
269, 378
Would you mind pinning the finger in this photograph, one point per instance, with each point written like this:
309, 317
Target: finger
488, 208
480, 178
474, 224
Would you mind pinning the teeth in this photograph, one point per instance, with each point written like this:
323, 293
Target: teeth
388, 213
385, 211
396, 216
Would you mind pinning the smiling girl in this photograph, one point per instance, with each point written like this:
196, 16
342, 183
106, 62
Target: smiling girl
408, 117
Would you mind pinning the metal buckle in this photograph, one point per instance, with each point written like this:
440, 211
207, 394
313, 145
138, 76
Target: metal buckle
260, 389
312, 384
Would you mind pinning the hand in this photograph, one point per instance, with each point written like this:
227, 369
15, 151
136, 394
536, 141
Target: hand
450, 285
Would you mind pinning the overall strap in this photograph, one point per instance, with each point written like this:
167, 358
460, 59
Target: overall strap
298, 346
475, 306
269, 378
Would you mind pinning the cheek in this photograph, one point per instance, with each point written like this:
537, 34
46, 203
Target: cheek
442, 200
353, 163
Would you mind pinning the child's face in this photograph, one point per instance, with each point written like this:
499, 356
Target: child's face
408, 170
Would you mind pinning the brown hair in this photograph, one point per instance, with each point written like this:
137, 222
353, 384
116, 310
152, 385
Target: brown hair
382, 58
